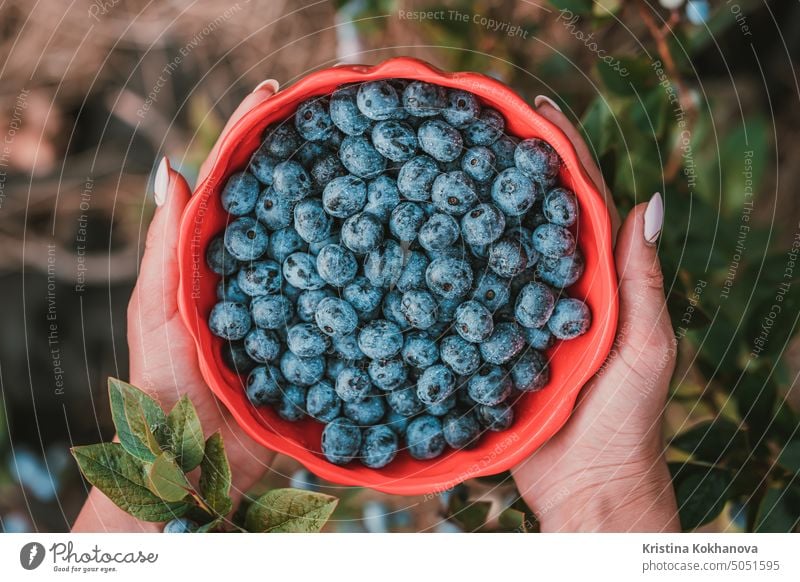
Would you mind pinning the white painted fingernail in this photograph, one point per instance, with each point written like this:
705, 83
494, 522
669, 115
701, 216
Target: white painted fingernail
539, 100
161, 184
269, 83
653, 219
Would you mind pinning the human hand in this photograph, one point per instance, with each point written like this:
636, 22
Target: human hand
163, 360
605, 470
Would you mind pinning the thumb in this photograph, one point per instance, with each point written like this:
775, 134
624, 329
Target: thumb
154, 299
645, 334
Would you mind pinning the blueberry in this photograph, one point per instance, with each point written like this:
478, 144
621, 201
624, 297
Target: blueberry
507, 258
538, 160
447, 309
228, 290
473, 321
218, 259
282, 141
530, 372
346, 347
383, 265
462, 108
539, 338
236, 358
460, 356
492, 291
272, 311
353, 384
485, 130
397, 422
419, 350
503, 150
440, 140
561, 272
336, 317
416, 176
525, 238
439, 232
478, 163
246, 239
483, 225
311, 152
322, 402
302, 371
336, 265
435, 384
362, 295
490, 386
273, 210
240, 193
392, 308
453, 193
418, 308
264, 385
387, 374
326, 168
571, 318
344, 196
380, 339
366, 412
505, 342
460, 429
341, 441
442, 407
382, 197
307, 340
230, 321
424, 99
361, 158
334, 366
345, 113
291, 181
534, 305
180, 525
313, 120
311, 221
262, 164
413, 274
448, 277
300, 270
362, 233
379, 446
283, 243
513, 192
292, 406
496, 418
377, 100
262, 345
394, 140
406, 220
290, 291
424, 437
260, 278
560, 207
554, 241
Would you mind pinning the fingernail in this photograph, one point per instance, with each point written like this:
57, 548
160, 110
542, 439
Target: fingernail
269, 83
161, 184
653, 219
541, 99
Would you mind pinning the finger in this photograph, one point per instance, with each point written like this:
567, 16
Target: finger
645, 331
263, 90
547, 108
155, 296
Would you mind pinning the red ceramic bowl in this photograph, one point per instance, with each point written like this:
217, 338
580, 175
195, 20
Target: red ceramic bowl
539, 415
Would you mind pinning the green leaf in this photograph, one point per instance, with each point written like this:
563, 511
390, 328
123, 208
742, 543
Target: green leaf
166, 479
790, 456
710, 441
215, 476
136, 417
597, 125
701, 491
755, 398
471, 515
513, 520
574, 6
121, 477
185, 434
210, 526
290, 511
626, 76
779, 511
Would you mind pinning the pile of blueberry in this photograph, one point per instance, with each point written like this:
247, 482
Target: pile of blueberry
394, 266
